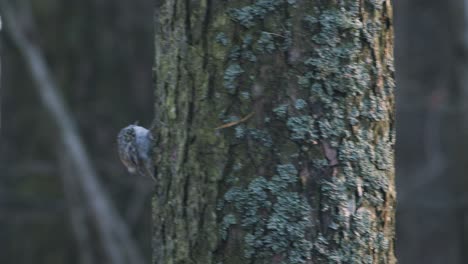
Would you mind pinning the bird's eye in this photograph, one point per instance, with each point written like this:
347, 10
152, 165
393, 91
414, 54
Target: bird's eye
128, 137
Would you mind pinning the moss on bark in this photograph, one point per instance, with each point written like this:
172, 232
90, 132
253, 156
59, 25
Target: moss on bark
302, 170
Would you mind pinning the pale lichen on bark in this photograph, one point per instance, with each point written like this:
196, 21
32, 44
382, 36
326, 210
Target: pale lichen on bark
309, 178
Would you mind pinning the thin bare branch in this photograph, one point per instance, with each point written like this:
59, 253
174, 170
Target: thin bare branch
117, 241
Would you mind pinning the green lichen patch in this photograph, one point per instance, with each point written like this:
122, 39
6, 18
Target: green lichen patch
228, 220
222, 39
265, 43
335, 192
302, 127
377, 4
333, 128
374, 109
231, 73
335, 66
300, 104
328, 97
276, 219
261, 136
281, 110
248, 16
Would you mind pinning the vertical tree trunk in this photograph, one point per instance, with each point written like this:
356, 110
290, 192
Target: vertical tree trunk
276, 132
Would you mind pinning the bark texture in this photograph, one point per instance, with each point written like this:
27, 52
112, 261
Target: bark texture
275, 132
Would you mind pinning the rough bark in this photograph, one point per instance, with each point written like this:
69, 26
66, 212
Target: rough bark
275, 132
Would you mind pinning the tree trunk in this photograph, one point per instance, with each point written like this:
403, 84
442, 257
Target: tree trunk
275, 132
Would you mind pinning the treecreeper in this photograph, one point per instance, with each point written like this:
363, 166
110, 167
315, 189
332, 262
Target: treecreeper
135, 146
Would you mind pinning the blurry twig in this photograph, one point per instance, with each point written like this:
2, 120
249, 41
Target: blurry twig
230, 124
116, 238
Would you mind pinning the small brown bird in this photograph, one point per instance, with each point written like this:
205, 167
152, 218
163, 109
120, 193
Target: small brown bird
135, 145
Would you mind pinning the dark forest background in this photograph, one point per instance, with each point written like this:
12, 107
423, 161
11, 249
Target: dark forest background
100, 54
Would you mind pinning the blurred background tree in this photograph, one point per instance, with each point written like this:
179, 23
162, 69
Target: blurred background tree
100, 53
